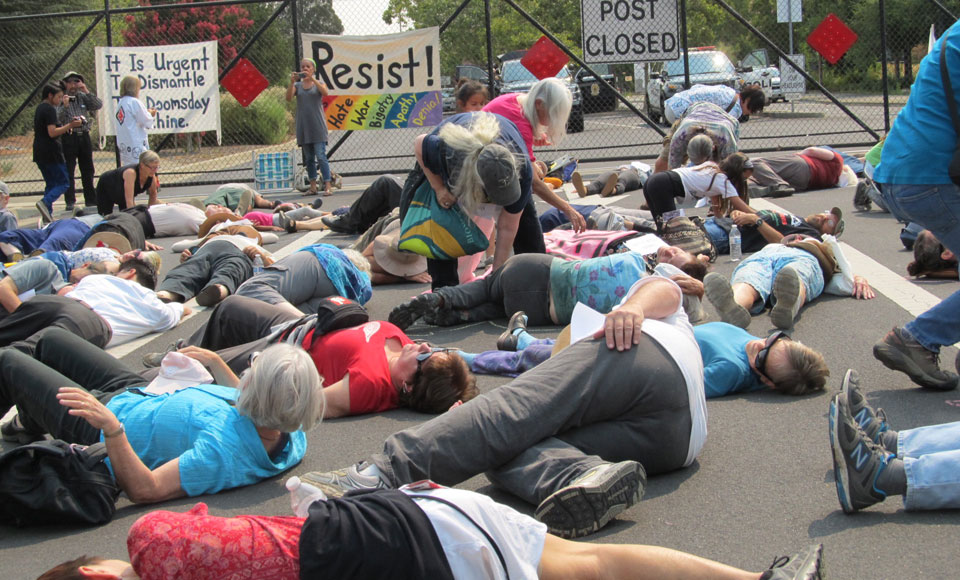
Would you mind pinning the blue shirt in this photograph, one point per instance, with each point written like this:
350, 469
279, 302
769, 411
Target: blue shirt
720, 95
445, 162
599, 283
218, 447
920, 144
726, 369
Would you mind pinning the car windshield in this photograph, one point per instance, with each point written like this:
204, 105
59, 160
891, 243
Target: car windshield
701, 63
515, 72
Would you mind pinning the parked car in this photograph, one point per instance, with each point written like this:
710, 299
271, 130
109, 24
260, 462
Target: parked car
596, 97
707, 67
469, 71
449, 100
756, 67
517, 79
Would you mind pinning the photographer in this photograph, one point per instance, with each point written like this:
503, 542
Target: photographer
311, 123
78, 102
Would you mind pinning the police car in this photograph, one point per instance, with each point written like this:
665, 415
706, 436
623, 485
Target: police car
756, 68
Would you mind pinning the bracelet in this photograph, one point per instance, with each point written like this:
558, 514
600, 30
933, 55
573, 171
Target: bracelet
119, 431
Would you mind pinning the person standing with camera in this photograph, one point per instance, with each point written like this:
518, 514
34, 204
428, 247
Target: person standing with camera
47, 151
78, 101
311, 122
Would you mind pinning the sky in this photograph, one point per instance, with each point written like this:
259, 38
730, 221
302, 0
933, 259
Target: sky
363, 17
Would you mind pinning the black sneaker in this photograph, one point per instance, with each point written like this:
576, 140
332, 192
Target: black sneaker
317, 203
872, 422
153, 359
804, 565
13, 432
902, 353
857, 460
508, 338
861, 200
337, 223
70, 207
593, 499
720, 294
409, 312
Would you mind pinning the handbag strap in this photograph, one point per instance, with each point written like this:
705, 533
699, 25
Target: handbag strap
947, 85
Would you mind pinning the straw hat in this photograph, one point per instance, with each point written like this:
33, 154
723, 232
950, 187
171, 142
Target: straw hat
395, 261
215, 219
108, 240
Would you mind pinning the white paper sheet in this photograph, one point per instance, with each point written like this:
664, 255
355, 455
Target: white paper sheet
645, 244
584, 322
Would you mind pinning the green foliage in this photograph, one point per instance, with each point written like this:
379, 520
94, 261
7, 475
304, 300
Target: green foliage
265, 121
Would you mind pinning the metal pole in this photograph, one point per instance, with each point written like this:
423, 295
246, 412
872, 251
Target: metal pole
295, 17
883, 66
486, 20
106, 13
790, 28
684, 44
944, 9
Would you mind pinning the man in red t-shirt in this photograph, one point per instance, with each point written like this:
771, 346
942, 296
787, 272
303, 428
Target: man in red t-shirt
812, 168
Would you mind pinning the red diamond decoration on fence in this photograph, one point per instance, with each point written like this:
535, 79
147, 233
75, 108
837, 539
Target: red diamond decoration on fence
544, 59
244, 82
832, 38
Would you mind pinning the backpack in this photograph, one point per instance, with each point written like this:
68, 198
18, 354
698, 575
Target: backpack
55, 482
689, 233
570, 245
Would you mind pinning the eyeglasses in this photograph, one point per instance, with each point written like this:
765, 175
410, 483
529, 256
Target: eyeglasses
761, 361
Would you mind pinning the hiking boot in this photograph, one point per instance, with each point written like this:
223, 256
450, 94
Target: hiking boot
610, 187
900, 352
861, 200
872, 422
409, 312
153, 359
786, 290
593, 499
338, 482
720, 294
804, 565
857, 460
508, 339
577, 180
337, 223
444, 317
781, 190
14, 432
45, 215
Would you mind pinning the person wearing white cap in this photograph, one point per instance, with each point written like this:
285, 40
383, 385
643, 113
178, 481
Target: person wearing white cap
8, 219
179, 436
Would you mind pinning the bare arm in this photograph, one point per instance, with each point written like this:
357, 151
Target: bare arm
436, 182
129, 176
337, 398
153, 191
252, 251
507, 226
9, 295
292, 89
738, 204
55, 131
544, 192
768, 232
222, 375
818, 153
655, 299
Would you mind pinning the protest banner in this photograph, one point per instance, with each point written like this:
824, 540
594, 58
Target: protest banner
390, 81
178, 80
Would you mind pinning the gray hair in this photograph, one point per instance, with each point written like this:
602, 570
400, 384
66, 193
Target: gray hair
467, 186
700, 149
557, 100
282, 390
148, 157
130, 86
357, 259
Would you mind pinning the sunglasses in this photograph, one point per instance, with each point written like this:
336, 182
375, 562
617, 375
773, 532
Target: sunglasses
421, 359
761, 361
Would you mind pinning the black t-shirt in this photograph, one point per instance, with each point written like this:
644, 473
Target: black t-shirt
785, 223
45, 149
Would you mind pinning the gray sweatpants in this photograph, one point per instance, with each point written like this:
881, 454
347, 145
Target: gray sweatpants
585, 406
298, 279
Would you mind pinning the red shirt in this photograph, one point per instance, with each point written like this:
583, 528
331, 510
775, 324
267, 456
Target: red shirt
359, 351
197, 546
507, 106
824, 174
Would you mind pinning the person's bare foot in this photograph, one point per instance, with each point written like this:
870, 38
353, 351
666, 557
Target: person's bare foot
212, 295
165, 296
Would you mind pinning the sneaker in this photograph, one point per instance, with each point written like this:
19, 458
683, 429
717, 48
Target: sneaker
857, 461
338, 482
13, 432
720, 294
786, 290
317, 203
70, 207
577, 180
508, 339
610, 186
861, 201
872, 422
593, 499
781, 190
153, 359
212, 295
337, 223
245, 203
45, 215
409, 312
444, 317
900, 352
804, 565
287, 224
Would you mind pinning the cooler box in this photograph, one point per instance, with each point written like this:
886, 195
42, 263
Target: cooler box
273, 172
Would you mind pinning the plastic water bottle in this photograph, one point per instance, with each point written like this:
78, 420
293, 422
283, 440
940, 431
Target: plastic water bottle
302, 495
257, 265
735, 249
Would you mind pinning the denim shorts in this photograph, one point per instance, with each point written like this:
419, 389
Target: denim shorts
761, 269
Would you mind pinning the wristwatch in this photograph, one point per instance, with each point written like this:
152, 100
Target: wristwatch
759, 222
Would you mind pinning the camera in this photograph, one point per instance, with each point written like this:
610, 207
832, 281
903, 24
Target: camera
302, 75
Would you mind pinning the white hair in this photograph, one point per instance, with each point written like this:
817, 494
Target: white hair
282, 390
556, 100
357, 259
700, 149
467, 186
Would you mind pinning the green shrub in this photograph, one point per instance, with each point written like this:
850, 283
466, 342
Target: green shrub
264, 122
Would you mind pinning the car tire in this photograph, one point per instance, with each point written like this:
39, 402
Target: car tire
663, 117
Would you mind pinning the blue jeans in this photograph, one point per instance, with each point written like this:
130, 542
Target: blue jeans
719, 236
937, 208
314, 154
761, 269
931, 459
57, 182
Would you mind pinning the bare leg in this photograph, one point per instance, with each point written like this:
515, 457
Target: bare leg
310, 224
260, 201
564, 559
745, 295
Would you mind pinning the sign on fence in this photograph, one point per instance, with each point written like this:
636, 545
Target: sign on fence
390, 81
789, 11
791, 81
623, 31
178, 80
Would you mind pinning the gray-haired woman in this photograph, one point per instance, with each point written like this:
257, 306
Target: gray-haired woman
133, 119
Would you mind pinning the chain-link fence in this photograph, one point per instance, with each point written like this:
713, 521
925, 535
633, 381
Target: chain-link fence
744, 39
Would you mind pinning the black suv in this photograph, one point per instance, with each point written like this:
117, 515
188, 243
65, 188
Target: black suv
596, 97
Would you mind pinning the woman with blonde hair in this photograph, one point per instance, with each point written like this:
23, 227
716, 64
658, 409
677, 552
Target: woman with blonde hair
133, 120
119, 186
311, 124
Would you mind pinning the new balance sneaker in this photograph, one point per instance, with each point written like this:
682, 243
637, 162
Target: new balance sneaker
872, 422
900, 352
508, 339
804, 565
786, 290
857, 460
861, 200
340, 481
409, 312
593, 499
720, 294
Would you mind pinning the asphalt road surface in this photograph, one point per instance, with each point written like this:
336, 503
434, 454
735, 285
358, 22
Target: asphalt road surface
762, 487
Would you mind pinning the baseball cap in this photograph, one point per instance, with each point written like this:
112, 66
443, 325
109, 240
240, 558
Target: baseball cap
73, 73
498, 171
838, 230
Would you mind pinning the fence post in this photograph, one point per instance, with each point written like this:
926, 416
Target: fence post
295, 17
487, 24
106, 15
683, 43
883, 65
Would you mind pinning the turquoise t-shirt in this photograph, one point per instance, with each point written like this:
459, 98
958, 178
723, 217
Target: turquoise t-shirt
920, 144
726, 369
218, 447
599, 283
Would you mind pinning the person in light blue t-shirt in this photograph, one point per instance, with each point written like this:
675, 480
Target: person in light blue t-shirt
175, 436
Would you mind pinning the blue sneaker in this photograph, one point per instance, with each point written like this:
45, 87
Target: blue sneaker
857, 460
873, 423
